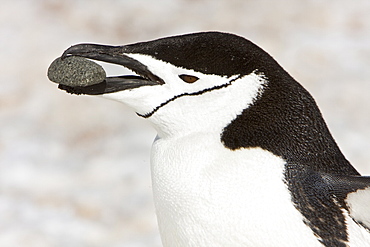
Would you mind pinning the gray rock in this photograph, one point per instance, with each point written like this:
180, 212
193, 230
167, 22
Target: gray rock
75, 71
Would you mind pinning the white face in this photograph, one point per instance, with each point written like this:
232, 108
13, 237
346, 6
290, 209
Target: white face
179, 108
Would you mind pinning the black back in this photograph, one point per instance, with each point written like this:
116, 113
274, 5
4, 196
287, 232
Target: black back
286, 121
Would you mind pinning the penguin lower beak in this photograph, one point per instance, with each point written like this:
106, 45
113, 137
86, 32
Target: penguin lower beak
114, 55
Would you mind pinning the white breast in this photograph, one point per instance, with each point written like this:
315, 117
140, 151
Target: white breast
207, 195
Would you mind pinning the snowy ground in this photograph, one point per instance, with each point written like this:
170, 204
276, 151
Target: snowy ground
74, 171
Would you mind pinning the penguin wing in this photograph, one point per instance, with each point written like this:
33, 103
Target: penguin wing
323, 198
354, 193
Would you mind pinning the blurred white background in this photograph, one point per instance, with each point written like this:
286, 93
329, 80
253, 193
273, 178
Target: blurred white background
74, 170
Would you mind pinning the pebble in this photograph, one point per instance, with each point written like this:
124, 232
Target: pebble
75, 71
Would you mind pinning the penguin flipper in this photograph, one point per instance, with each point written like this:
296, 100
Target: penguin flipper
354, 193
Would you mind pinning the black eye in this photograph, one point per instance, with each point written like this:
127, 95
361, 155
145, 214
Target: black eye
188, 78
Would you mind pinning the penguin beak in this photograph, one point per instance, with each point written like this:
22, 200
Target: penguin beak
114, 55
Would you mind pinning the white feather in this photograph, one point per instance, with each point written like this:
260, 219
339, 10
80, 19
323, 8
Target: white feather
207, 195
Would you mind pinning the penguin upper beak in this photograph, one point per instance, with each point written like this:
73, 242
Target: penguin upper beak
115, 55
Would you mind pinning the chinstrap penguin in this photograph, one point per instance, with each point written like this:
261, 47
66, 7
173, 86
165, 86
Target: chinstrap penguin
243, 156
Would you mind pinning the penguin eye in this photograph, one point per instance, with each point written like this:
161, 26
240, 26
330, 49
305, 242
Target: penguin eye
188, 78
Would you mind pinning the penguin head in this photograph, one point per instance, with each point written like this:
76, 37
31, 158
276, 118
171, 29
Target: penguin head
194, 82
220, 83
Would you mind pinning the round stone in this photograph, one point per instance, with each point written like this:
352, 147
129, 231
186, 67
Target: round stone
75, 71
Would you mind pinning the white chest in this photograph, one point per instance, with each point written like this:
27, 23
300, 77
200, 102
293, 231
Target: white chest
206, 195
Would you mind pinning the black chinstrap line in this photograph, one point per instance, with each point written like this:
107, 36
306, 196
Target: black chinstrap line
147, 115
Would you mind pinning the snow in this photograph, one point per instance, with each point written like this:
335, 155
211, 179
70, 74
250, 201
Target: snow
74, 171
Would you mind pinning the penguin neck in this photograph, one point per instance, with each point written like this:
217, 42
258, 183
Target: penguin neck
286, 121
209, 110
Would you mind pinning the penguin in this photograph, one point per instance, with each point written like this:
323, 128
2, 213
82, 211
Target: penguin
243, 156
